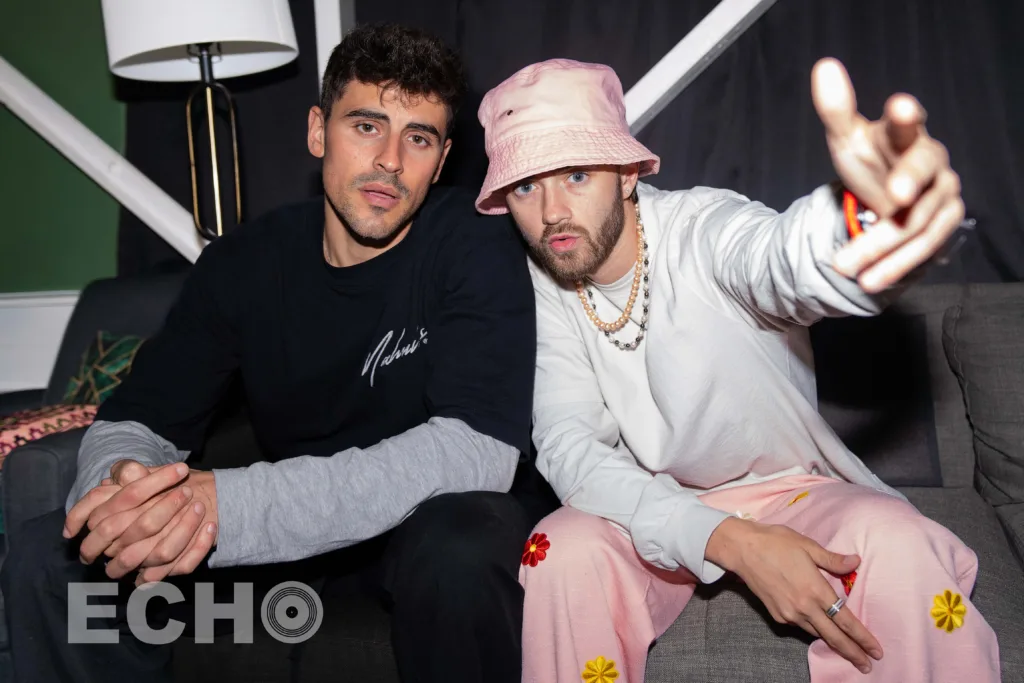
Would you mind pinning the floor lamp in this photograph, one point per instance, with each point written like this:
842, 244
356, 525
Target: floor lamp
200, 40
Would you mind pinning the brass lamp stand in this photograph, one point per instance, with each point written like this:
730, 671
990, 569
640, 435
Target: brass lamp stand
206, 88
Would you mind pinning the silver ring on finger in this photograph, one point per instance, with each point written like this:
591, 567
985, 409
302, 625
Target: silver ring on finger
836, 606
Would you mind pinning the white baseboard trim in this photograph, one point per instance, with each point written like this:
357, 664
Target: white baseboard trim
31, 329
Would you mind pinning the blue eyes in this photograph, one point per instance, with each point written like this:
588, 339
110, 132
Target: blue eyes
574, 179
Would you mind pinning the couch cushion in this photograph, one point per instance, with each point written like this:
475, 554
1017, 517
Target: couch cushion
984, 342
122, 306
874, 390
885, 387
725, 635
354, 640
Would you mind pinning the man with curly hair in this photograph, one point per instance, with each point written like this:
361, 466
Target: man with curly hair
384, 336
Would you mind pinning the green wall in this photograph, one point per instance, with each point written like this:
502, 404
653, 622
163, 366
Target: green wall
58, 229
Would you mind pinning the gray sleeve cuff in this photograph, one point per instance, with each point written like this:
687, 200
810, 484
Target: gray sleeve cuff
306, 506
104, 443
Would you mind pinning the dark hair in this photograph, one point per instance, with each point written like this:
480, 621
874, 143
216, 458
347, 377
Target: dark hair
391, 55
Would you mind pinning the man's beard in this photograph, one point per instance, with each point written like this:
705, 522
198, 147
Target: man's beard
376, 234
590, 252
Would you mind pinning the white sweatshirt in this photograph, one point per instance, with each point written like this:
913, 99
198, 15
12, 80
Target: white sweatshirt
721, 392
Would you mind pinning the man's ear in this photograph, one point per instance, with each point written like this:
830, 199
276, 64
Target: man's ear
629, 176
316, 133
440, 164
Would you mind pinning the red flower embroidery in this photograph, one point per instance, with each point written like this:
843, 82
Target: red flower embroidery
536, 549
848, 581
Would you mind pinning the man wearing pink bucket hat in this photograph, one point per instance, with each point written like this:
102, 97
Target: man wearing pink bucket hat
674, 408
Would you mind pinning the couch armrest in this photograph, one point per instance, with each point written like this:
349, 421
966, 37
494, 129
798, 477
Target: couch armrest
37, 478
15, 401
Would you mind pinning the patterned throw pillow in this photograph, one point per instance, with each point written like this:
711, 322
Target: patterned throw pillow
104, 365
18, 429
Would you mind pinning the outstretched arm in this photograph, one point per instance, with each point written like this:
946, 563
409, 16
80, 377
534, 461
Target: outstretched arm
802, 264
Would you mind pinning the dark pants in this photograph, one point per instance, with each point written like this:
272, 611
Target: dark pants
448, 575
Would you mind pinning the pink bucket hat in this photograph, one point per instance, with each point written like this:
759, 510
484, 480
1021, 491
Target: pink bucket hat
552, 115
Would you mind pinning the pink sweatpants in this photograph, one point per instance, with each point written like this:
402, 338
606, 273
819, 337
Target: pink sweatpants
593, 606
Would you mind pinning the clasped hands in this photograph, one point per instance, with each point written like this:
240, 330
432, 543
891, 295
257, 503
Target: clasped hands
159, 521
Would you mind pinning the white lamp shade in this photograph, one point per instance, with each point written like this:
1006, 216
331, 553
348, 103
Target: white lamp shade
148, 40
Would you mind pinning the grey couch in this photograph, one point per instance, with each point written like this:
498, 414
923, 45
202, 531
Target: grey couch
930, 394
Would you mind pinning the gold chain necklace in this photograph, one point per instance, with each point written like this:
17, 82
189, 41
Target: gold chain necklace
640, 276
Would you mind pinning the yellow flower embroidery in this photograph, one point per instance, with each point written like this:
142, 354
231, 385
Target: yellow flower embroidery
799, 496
600, 670
949, 611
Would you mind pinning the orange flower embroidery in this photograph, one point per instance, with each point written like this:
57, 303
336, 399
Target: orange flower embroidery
600, 670
536, 549
949, 611
848, 581
799, 496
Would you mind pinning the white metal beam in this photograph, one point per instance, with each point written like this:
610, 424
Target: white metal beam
333, 19
140, 195
691, 55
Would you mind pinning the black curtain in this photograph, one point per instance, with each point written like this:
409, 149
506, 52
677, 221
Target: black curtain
747, 123
275, 164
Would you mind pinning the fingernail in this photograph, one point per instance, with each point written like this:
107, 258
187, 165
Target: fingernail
66, 533
902, 187
210, 528
904, 107
870, 282
866, 669
844, 263
181, 469
198, 507
187, 491
877, 654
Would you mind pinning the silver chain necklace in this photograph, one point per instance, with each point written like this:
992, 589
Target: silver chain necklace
631, 346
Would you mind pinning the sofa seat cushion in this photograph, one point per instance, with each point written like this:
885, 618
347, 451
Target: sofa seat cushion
354, 640
726, 635
984, 342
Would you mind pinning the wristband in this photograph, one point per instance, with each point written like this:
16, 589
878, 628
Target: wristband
857, 217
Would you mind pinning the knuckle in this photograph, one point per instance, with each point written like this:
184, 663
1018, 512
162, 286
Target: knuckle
808, 606
106, 528
187, 565
955, 184
160, 556
961, 208
95, 519
149, 526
